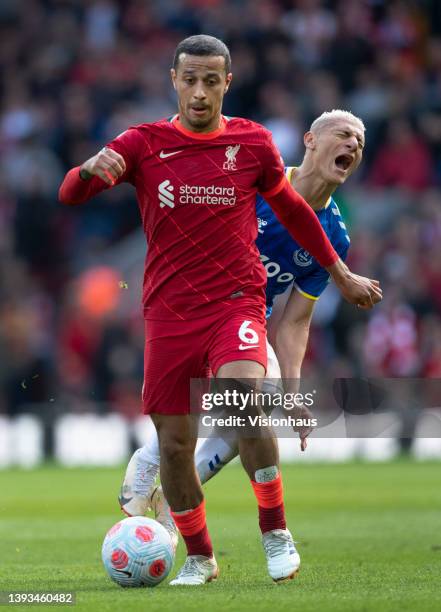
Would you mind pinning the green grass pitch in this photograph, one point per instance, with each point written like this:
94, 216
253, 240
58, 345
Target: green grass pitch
369, 537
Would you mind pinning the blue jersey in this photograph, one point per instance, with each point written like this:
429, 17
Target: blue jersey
286, 261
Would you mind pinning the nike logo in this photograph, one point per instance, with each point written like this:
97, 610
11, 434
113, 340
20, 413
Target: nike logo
124, 500
244, 347
163, 155
129, 574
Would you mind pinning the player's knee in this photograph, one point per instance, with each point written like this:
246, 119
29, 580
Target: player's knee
176, 448
177, 438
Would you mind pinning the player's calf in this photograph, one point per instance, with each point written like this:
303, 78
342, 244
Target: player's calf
177, 440
214, 454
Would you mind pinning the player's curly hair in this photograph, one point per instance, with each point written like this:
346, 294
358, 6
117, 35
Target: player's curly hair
202, 44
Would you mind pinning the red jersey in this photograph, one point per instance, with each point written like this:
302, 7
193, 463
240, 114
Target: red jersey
197, 197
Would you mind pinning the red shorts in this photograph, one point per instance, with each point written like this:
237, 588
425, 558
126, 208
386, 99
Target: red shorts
176, 351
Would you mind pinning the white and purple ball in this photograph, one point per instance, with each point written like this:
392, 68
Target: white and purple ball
137, 552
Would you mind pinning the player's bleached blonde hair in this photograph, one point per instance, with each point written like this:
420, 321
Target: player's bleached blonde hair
330, 116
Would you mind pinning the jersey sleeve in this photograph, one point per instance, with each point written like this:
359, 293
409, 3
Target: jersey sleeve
75, 190
131, 145
272, 177
312, 285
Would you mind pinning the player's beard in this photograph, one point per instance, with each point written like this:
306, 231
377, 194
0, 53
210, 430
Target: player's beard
200, 123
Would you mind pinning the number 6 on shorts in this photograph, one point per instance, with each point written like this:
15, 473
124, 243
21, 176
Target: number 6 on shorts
247, 335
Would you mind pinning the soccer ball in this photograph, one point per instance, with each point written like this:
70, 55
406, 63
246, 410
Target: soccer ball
137, 552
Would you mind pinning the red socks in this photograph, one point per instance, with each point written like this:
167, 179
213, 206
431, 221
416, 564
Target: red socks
193, 527
270, 502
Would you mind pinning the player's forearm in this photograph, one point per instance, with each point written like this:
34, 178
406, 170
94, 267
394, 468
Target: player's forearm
339, 272
291, 342
303, 225
76, 190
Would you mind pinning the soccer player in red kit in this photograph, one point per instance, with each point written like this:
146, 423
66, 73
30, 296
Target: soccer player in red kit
196, 177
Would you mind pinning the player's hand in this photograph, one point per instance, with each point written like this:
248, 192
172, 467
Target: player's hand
375, 293
301, 412
107, 164
359, 290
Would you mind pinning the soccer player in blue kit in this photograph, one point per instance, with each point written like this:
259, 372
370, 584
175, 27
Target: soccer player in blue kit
334, 148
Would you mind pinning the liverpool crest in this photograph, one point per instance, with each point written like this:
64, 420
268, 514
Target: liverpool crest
230, 153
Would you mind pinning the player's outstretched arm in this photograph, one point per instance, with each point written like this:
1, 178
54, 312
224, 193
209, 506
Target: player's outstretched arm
97, 173
291, 342
292, 335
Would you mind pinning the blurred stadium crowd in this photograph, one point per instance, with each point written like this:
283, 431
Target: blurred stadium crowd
76, 73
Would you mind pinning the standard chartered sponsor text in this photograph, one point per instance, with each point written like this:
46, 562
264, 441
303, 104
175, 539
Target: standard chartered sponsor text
199, 194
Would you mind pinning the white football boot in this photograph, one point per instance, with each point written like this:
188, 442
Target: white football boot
196, 570
136, 490
281, 555
163, 515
